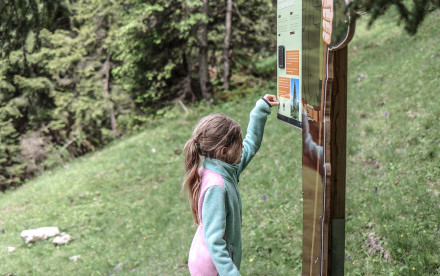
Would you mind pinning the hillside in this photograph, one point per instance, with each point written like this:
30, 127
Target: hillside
123, 207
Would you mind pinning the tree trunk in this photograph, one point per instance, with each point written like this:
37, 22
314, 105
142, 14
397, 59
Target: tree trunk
187, 84
226, 55
107, 67
203, 52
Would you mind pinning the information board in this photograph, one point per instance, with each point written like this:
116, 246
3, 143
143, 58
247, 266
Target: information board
289, 69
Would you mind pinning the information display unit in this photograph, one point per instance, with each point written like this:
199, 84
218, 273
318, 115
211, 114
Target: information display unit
289, 69
311, 87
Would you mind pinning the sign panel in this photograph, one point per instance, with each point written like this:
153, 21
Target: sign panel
289, 42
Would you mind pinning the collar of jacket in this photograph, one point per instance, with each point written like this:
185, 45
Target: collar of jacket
224, 169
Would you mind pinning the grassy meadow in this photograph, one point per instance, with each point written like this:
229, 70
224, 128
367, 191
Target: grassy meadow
393, 148
123, 207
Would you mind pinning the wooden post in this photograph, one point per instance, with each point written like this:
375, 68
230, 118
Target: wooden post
335, 164
332, 137
335, 137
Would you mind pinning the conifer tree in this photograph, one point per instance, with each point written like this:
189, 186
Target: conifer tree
25, 100
156, 47
19, 18
57, 88
411, 13
81, 66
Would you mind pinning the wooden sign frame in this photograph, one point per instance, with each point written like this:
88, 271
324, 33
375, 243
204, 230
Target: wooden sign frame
335, 133
324, 148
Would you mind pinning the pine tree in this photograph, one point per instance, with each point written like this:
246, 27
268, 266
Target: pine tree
156, 47
411, 13
87, 100
58, 88
25, 100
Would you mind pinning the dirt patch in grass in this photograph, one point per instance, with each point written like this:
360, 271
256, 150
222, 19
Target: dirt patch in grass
434, 187
372, 163
374, 247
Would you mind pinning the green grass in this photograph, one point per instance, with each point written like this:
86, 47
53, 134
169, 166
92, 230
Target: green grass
122, 204
393, 146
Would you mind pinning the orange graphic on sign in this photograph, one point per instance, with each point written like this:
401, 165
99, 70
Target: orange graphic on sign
284, 87
292, 62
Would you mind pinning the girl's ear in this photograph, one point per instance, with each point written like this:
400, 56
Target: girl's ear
223, 152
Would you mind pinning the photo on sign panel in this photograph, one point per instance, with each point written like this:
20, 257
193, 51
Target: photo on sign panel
294, 99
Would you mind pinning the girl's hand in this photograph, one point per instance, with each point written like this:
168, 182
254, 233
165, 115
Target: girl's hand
271, 99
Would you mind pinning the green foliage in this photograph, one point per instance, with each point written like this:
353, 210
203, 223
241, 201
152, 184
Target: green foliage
20, 18
25, 100
266, 67
79, 64
77, 74
154, 44
253, 39
61, 95
411, 13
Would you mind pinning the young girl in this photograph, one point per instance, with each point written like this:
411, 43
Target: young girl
213, 192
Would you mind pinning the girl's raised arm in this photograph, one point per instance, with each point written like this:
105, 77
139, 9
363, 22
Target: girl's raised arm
255, 130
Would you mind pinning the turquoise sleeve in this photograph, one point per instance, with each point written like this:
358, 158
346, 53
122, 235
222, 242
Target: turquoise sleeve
214, 225
254, 135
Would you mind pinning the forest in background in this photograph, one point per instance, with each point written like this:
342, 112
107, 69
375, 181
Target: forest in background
75, 74
99, 69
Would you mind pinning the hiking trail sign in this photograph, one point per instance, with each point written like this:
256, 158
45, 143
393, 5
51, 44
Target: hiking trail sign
312, 39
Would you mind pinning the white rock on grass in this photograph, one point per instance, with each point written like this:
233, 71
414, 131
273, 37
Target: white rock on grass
75, 258
11, 249
62, 239
42, 233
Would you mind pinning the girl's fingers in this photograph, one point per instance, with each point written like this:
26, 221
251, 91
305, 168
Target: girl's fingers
269, 97
272, 99
275, 103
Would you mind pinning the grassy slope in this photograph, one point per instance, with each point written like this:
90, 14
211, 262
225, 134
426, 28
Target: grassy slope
122, 204
393, 146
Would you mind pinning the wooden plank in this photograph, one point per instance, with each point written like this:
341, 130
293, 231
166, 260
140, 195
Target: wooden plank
335, 131
338, 138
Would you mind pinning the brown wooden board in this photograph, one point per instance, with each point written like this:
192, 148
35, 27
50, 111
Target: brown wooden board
324, 134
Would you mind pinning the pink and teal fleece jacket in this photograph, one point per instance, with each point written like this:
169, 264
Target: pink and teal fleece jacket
220, 204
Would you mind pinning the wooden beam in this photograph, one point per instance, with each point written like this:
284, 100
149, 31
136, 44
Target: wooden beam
335, 152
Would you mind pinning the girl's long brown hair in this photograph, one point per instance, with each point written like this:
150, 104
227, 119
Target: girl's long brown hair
210, 135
